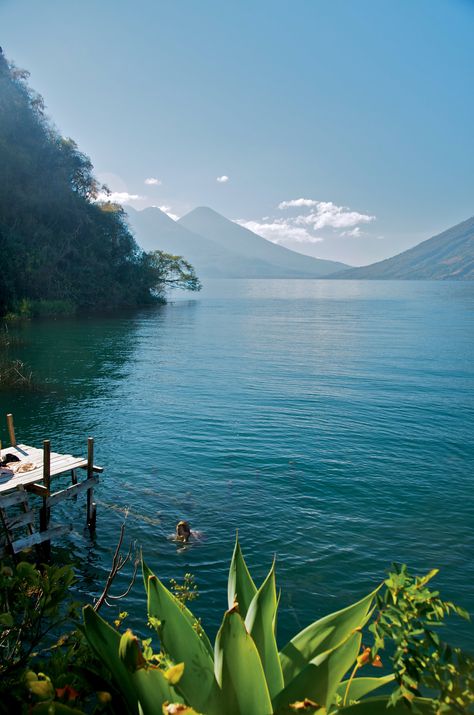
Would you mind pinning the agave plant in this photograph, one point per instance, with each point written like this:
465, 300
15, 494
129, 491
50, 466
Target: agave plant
244, 673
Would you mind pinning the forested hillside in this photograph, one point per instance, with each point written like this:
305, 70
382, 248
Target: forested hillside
56, 243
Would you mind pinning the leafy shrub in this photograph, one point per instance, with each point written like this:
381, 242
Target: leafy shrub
95, 669
245, 673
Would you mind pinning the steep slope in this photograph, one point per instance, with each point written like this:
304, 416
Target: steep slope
281, 261
56, 243
447, 256
156, 230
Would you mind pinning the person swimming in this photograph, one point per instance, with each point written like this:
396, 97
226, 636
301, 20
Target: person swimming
183, 531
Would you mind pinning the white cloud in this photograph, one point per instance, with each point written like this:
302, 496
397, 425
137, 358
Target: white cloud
152, 181
167, 211
119, 197
354, 232
279, 231
222, 179
304, 226
325, 214
296, 203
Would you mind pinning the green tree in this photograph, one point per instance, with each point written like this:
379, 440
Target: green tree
57, 241
171, 272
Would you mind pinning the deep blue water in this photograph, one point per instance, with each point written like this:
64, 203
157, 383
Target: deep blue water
330, 422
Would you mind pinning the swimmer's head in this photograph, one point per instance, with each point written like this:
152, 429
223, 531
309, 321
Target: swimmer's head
183, 531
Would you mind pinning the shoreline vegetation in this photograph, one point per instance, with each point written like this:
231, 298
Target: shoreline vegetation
14, 374
65, 248
381, 654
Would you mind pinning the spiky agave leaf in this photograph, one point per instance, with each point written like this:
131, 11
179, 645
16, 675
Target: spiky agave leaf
147, 572
239, 670
105, 642
321, 676
260, 622
323, 635
181, 640
240, 587
359, 687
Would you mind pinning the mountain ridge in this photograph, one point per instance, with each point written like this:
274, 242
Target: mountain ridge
448, 255
220, 248
227, 233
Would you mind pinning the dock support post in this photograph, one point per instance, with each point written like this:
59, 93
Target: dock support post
74, 480
11, 430
45, 511
91, 506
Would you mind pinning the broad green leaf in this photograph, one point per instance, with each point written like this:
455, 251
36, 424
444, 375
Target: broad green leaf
239, 670
180, 639
153, 690
146, 572
241, 587
380, 706
260, 623
191, 618
321, 677
323, 635
362, 686
105, 641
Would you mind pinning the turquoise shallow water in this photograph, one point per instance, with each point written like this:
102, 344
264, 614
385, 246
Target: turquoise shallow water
330, 422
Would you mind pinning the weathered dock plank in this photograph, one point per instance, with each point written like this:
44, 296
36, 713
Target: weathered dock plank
72, 491
11, 499
28, 517
40, 536
59, 464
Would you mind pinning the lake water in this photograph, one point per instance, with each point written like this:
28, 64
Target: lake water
331, 422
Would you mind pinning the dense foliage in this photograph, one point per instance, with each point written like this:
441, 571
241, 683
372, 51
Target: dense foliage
57, 243
93, 668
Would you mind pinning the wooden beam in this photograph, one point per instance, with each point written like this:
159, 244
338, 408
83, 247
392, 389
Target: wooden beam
7, 534
45, 510
28, 517
90, 457
37, 489
12, 498
47, 463
26, 509
93, 516
95, 468
11, 429
72, 491
40, 537
90, 474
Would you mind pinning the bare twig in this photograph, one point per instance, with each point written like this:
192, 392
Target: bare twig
118, 562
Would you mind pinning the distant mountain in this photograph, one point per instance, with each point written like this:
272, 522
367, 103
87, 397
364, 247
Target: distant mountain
269, 259
447, 256
219, 248
154, 230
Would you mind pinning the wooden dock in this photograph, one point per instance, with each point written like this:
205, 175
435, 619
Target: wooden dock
26, 480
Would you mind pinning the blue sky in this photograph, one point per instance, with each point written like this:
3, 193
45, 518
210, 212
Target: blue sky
364, 108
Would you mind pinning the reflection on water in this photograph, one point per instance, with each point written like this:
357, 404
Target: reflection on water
331, 422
